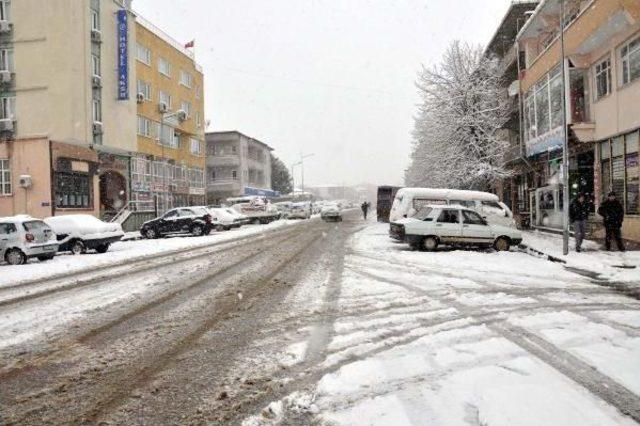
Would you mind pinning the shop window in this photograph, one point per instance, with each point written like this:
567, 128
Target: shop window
620, 170
73, 190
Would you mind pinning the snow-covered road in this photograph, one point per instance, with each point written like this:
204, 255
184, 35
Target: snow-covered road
469, 337
323, 324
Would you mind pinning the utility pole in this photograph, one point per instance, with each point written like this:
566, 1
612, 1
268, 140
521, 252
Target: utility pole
565, 141
302, 157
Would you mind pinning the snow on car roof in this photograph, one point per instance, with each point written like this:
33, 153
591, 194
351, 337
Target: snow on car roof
17, 218
451, 194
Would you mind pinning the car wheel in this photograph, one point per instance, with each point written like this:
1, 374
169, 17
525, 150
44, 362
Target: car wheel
220, 228
149, 233
502, 244
256, 221
102, 248
46, 257
78, 247
430, 243
197, 230
15, 257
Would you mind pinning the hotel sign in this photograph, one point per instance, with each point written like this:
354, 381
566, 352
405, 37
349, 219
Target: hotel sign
123, 55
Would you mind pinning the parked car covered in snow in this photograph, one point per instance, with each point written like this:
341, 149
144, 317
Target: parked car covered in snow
408, 201
299, 211
225, 219
196, 221
82, 232
23, 237
257, 209
331, 212
442, 224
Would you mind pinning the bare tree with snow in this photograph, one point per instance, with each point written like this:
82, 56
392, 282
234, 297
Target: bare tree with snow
456, 143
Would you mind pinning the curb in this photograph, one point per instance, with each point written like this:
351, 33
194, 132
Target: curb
537, 253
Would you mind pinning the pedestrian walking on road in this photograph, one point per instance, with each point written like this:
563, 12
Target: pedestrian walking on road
613, 214
365, 209
578, 214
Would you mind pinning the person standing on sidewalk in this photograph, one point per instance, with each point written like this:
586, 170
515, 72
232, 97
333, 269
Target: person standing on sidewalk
613, 213
578, 214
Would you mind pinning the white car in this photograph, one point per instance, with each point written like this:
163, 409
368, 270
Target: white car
436, 224
331, 212
81, 232
224, 218
299, 211
23, 237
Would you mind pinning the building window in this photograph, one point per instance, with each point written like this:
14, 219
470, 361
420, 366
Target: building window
186, 79
5, 177
96, 110
95, 65
164, 67
630, 58
5, 10
143, 54
198, 90
543, 105
6, 59
73, 190
198, 119
195, 146
234, 175
169, 137
144, 88
164, 97
95, 20
144, 126
621, 171
196, 178
8, 107
186, 107
603, 78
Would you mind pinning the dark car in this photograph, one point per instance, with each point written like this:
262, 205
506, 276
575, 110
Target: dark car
183, 220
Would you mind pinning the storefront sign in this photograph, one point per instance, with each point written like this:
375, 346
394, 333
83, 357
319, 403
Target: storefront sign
80, 166
123, 56
196, 191
141, 186
550, 141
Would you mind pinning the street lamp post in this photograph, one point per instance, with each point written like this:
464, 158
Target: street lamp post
302, 157
565, 141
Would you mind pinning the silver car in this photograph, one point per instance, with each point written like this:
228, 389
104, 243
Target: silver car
23, 237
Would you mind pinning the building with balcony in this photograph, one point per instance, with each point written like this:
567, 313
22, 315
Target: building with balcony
602, 94
504, 47
236, 165
64, 77
169, 165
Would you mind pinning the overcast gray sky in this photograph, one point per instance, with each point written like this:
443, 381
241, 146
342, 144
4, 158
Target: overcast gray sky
330, 77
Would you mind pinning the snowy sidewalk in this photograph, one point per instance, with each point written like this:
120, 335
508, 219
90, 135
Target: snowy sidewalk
612, 266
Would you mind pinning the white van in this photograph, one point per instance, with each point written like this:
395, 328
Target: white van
409, 201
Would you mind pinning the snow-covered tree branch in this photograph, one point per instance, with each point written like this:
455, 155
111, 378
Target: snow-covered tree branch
456, 142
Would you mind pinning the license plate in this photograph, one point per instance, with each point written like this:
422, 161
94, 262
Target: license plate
49, 248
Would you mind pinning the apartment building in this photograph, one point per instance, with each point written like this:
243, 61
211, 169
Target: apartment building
237, 165
602, 94
170, 160
65, 94
503, 46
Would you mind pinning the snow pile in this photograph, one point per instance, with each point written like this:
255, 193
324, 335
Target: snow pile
294, 405
83, 226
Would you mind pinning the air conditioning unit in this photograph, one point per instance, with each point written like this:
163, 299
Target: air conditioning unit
5, 26
140, 98
26, 181
5, 76
96, 81
162, 107
96, 36
6, 125
97, 128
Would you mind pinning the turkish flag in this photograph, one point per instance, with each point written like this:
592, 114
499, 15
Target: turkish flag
191, 44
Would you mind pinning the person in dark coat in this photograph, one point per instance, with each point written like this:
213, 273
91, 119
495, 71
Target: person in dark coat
578, 215
613, 214
365, 209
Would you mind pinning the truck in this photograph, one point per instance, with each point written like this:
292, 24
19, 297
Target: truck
386, 194
257, 209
